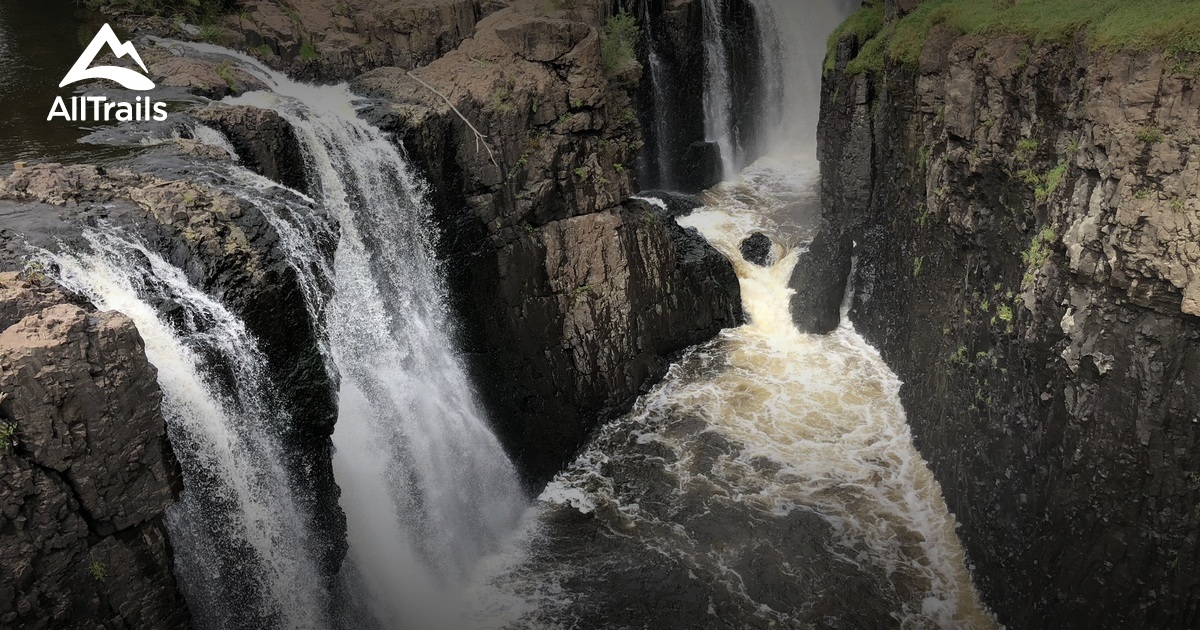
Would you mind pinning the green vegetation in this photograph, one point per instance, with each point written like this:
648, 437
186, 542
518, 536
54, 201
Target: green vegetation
1005, 313
225, 71
194, 10
1150, 135
1038, 252
1172, 26
8, 435
581, 172
98, 571
1026, 148
917, 263
618, 43
213, 33
265, 50
1044, 184
502, 99
308, 52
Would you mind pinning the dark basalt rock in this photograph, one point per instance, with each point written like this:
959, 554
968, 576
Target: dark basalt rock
263, 140
227, 248
1048, 334
678, 204
756, 249
87, 471
701, 167
570, 301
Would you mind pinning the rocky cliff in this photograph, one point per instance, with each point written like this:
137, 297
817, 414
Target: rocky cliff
1026, 232
570, 301
85, 468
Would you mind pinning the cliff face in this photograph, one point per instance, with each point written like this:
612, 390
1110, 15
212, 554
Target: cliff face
569, 300
1028, 262
85, 469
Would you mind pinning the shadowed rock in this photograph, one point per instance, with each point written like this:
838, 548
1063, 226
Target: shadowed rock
756, 249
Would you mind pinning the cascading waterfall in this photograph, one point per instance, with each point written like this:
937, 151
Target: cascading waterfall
718, 98
242, 551
658, 83
792, 35
426, 486
788, 33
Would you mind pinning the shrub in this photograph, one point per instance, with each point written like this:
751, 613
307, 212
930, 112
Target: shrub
195, 10
97, 570
8, 435
308, 52
618, 43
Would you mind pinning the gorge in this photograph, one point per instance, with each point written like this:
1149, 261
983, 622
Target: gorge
604, 314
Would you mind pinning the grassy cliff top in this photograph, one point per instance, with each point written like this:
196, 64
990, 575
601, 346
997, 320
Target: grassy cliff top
1172, 26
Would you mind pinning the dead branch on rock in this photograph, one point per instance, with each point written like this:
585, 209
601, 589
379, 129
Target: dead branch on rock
479, 137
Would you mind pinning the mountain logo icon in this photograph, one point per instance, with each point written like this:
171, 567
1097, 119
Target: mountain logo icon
130, 79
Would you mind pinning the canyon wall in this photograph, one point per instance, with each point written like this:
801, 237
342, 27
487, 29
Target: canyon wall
1025, 231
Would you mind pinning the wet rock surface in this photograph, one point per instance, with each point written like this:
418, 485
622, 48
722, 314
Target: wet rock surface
570, 302
263, 140
756, 249
1027, 261
87, 471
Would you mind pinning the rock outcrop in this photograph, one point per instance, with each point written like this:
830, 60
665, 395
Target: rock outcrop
228, 248
570, 302
1028, 262
85, 468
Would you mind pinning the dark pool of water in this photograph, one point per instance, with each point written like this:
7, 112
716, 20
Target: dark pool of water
39, 42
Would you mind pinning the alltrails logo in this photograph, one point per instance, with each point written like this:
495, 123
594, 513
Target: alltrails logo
101, 108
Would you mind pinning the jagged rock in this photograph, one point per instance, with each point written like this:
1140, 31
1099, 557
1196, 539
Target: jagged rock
677, 204
536, 38
756, 249
331, 40
1027, 263
569, 301
86, 473
263, 140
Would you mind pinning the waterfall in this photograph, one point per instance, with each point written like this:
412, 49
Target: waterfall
242, 550
791, 38
426, 486
718, 99
665, 175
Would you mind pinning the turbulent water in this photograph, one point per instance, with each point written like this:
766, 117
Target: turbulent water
769, 481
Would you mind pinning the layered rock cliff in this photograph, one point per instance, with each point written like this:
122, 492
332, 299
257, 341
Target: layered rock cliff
85, 468
1026, 235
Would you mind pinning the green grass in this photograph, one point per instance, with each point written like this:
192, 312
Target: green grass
1172, 26
225, 71
1150, 135
618, 43
308, 52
